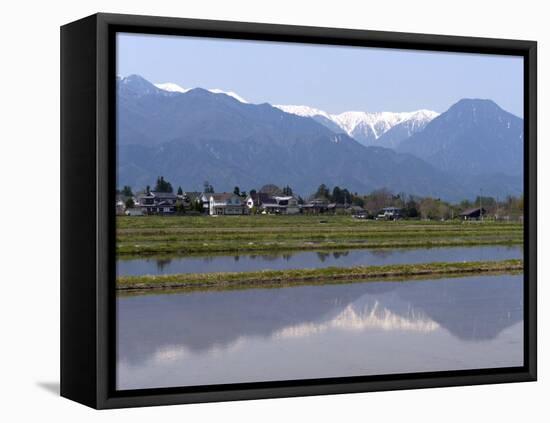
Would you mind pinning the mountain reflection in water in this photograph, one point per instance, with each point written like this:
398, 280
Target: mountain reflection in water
319, 331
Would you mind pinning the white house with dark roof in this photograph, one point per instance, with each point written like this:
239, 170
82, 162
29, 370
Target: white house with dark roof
226, 204
282, 205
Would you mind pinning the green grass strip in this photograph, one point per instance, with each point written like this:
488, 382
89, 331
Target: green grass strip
273, 278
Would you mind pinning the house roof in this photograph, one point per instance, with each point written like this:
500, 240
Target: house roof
158, 195
336, 206
223, 196
261, 197
159, 204
163, 194
283, 197
474, 210
317, 203
193, 195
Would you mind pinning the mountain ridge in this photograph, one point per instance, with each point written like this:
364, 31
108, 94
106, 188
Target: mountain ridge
368, 128
197, 135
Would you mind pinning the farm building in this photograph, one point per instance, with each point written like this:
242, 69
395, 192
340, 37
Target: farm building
473, 214
315, 206
337, 207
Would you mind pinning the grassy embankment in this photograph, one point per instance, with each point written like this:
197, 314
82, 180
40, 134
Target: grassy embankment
280, 278
216, 235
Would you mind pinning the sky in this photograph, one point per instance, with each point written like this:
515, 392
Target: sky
331, 78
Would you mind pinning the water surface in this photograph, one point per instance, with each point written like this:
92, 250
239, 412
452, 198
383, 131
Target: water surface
313, 259
354, 329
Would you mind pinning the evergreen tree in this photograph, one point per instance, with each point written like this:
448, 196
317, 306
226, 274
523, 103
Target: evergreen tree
198, 206
411, 209
346, 195
208, 189
129, 203
337, 195
180, 191
237, 191
127, 191
322, 192
163, 185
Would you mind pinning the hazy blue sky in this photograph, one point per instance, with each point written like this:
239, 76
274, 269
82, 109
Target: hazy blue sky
331, 78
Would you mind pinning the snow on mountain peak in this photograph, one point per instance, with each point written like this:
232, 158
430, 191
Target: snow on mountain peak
229, 93
171, 87
304, 111
175, 88
366, 127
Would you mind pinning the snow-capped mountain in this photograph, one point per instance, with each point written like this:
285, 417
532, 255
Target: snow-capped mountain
175, 88
369, 128
171, 87
384, 129
199, 134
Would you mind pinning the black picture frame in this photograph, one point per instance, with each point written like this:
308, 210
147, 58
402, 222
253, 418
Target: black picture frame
87, 233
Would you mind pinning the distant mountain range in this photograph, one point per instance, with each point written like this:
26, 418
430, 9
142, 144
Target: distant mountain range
384, 129
193, 135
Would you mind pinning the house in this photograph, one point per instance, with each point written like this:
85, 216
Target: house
282, 205
257, 199
473, 214
226, 204
389, 213
157, 202
122, 201
336, 208
315, 206
193, 197
120, 208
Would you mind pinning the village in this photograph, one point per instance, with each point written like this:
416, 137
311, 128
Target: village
272, 200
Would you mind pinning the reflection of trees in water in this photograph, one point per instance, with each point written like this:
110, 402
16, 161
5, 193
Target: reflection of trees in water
338, 254
236, 258
382, 253
322, 256
162, 263
208, 259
